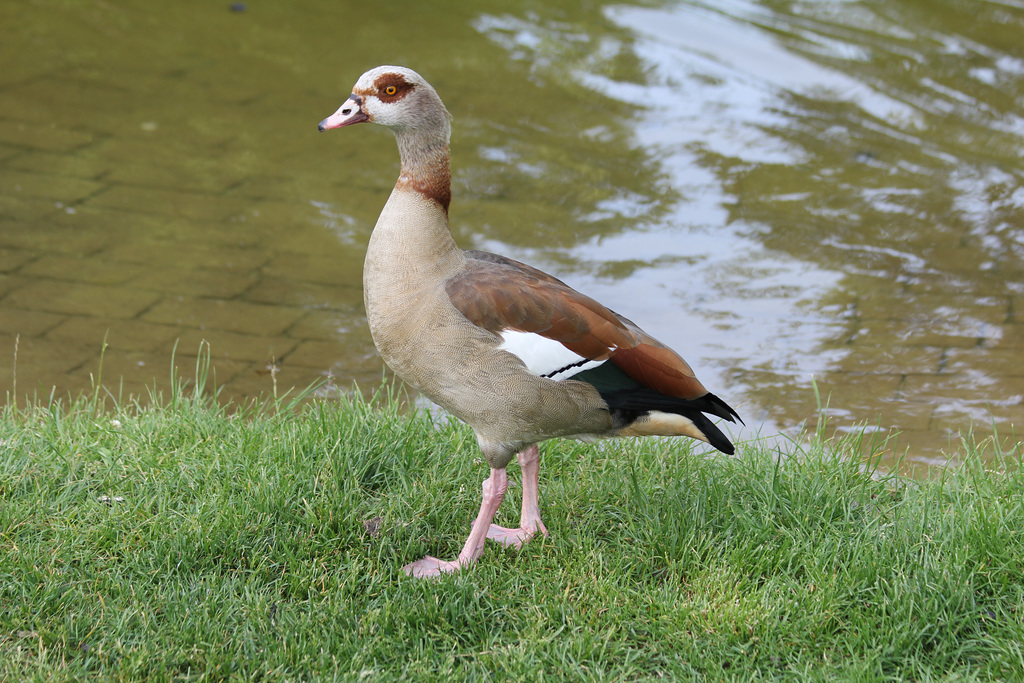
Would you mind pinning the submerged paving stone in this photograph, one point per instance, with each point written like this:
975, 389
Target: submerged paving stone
76, 298
58, 188
990, 308
9, 154
344, 270
999, 362
975, 398
82, 163
203, 176
980, 417
8, 282
188, 205
111, 99
42, 136
908, 333
252, 348
13, 259
16, 321
257, 382
853, 391
346, 363
95, 270
896, 414
271, 218
311, 295
115, 365
259, 187
325, 325
910, 445
118, 227
316, 354
213, 283
137, 374
233, 316
43, 358
1012, 337
25, 208
50, 234
883, 358
124, 335
181, 254
222, 371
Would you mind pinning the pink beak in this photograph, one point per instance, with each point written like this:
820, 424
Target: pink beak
349, 113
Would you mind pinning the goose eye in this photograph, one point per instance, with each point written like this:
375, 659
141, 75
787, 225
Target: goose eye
390, 90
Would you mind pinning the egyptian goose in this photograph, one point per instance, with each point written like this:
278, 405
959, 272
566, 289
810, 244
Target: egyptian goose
514, 352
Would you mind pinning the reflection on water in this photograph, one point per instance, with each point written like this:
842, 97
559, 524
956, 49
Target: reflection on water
850, 205
785, 192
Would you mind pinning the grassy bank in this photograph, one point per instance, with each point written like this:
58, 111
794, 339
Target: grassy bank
184, 542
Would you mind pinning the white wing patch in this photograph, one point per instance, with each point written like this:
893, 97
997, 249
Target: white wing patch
543, 356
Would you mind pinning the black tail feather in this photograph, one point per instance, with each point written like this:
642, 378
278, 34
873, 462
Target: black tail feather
720, 408
629, 400
628, 405
715, 436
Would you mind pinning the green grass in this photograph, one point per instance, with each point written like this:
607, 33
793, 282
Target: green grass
184, 541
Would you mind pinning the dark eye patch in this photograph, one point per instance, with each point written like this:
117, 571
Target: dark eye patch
392, 87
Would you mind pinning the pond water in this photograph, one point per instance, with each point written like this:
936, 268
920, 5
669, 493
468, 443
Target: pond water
797, 196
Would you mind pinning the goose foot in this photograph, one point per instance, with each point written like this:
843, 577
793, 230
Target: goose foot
493, 490
513, 537
431, 567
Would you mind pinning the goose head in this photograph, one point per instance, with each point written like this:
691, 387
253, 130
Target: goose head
397, 98
400, 99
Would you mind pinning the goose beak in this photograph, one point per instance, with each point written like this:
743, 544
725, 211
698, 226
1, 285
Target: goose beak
349, 113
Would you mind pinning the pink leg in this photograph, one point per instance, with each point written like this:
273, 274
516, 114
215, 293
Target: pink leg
529, 522
493, 491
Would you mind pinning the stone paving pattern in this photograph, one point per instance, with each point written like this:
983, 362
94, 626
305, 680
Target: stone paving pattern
90, 251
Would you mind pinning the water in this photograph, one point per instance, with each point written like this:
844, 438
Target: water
790, 194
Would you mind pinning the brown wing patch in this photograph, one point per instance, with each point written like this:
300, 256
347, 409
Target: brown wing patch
497, 293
